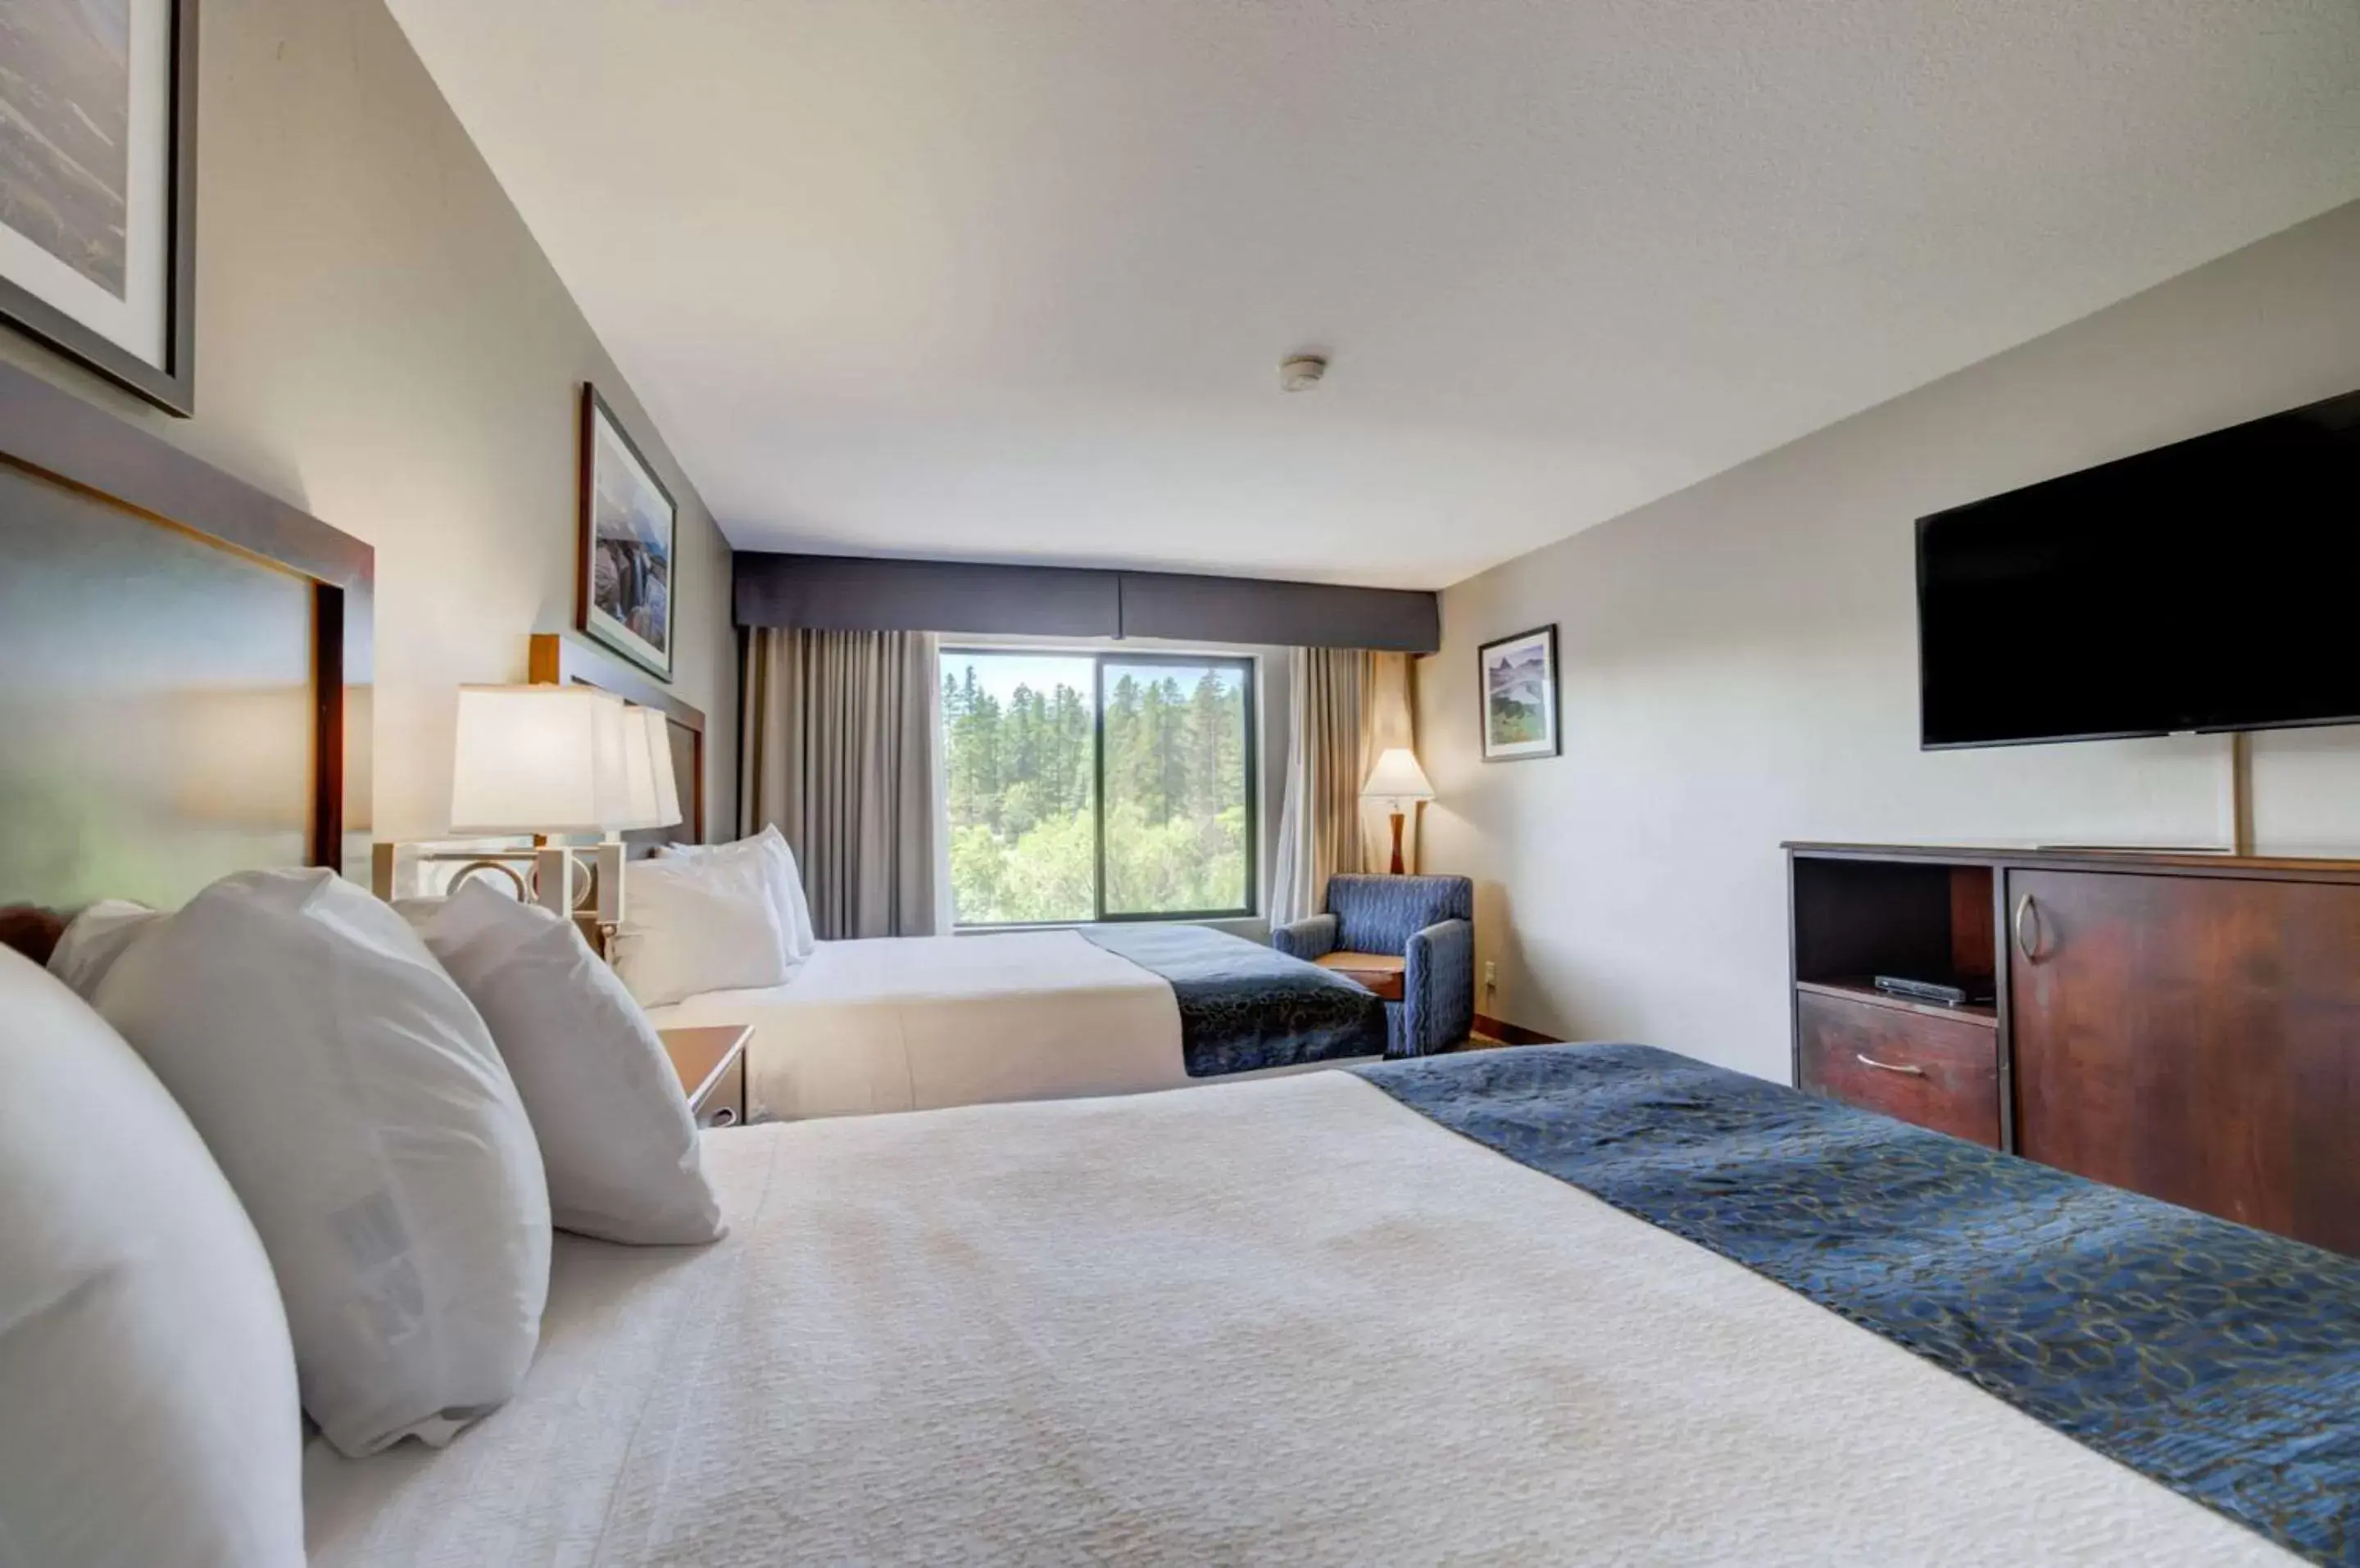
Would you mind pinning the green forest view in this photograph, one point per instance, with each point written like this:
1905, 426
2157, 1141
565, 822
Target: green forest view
1020, 737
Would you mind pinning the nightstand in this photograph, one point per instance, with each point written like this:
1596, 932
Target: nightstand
711, 1062
1377, 972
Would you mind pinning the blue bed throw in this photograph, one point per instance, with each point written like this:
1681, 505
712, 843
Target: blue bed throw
2218, 1361
1243, 1005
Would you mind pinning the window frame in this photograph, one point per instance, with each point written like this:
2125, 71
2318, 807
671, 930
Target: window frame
1249, 672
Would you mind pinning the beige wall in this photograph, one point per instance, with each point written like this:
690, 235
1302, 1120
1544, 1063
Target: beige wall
381, 342
1740, 669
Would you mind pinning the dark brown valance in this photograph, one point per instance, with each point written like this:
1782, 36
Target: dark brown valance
840, 593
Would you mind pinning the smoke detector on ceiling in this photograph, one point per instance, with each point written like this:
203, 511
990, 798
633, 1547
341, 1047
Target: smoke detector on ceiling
1301, 372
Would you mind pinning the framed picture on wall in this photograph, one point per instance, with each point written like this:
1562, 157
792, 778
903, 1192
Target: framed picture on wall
98, 186
1520, 701
630, 526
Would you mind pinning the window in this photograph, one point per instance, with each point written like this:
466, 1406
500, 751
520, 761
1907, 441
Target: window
1099, 786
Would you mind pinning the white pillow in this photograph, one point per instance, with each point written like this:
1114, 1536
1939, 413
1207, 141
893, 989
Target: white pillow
785, 882
695, 923
615, 1128
148, 1409
94, 940
355, 1100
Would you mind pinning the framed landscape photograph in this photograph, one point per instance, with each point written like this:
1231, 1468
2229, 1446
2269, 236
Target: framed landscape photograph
1520, 706
98, 122
629, 525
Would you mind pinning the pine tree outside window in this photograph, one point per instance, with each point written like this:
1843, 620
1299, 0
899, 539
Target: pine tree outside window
1099, 786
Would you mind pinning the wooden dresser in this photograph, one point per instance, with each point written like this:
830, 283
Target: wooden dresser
2183, 1025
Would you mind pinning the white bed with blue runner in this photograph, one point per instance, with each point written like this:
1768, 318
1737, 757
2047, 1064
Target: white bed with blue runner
1586, 1304
917, 1023
2218, 1361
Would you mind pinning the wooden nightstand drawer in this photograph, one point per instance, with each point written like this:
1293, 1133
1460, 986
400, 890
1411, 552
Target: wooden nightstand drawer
711, 1062
1938, 1071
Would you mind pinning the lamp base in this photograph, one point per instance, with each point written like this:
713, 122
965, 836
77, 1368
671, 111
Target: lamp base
1397, 844
555, 886
595, 901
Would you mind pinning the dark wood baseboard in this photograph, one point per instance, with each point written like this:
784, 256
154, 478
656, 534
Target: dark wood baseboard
1512, 1034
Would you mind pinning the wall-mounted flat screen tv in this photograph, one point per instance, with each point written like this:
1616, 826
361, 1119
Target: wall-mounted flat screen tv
2214, 585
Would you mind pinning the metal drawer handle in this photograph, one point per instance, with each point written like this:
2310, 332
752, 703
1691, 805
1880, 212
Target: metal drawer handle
1866, 1061
2027, 941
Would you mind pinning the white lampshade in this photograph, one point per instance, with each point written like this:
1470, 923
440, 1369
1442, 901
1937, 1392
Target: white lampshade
655, 793
1397, 777
542, 759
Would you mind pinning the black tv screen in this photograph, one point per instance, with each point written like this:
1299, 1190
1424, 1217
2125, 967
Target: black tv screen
2210, 585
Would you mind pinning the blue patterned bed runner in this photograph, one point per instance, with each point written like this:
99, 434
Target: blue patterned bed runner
1243, 1005
2220, 1361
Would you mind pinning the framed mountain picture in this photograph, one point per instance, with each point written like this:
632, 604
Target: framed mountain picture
98, 186
629, 526
1520, 706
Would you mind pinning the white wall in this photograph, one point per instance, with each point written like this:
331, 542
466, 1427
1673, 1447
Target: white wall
1740, 669
381, 343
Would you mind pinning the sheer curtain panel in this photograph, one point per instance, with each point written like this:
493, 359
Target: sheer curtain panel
1319, 821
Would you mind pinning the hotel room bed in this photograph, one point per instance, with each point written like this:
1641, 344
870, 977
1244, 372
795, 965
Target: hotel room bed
1586, 1302
1596, 1303
916, 1023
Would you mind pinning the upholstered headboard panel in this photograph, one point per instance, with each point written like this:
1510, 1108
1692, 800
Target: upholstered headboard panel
184, 663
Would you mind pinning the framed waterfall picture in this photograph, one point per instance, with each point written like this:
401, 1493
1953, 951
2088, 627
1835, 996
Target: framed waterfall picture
98, 186
1520, 702
630, 526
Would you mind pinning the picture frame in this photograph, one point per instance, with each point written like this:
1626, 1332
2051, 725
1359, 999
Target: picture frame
628, 548
98, 188
1516, 690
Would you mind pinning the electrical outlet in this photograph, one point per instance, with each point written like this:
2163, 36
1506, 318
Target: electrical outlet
1490, 974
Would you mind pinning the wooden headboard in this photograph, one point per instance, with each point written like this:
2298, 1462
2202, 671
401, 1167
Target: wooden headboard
184, 665
556, 660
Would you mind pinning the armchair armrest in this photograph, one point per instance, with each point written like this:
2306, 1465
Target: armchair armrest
1305, 939
1438, 987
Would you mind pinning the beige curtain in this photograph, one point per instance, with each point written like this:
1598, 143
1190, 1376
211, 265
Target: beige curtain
1387, 720
1319, 821
836, 748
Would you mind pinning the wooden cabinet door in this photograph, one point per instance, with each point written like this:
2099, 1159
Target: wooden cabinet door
2194, 1038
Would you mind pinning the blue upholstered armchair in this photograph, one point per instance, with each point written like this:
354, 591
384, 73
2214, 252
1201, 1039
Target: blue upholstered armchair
1425, 926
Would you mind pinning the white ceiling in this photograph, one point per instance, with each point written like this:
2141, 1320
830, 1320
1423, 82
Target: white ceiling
1010, 279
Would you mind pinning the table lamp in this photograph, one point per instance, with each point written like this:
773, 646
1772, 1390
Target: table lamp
1399, 779
654, 789
550, 761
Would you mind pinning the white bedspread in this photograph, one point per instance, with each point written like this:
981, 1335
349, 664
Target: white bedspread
911, 1023
1288, 1321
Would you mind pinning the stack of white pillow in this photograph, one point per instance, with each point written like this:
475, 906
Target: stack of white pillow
726, 917
281, 1142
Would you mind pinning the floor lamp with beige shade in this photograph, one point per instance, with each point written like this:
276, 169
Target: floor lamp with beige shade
1400, 782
